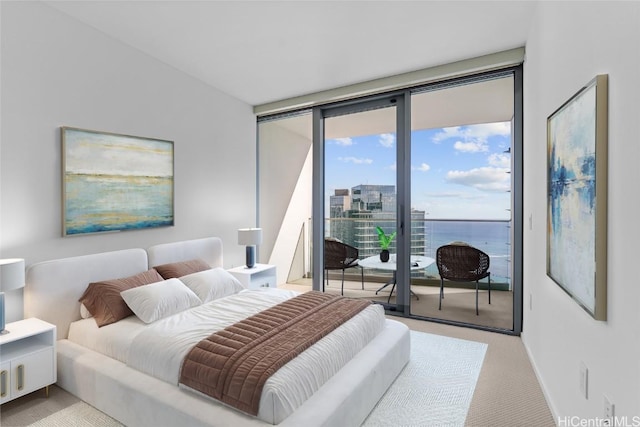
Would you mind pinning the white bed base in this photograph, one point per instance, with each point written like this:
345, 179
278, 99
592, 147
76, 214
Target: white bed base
136, 399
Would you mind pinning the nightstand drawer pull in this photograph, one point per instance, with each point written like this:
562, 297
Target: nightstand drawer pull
20, 377
3, 383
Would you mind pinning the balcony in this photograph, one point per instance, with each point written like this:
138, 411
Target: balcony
491, 236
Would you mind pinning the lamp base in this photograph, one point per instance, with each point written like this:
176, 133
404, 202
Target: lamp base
251, 256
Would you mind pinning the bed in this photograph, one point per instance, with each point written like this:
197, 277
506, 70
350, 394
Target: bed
107, 380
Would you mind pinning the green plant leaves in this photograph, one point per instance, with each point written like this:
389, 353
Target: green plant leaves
385, 240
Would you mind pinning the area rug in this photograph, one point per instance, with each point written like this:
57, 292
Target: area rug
436, 386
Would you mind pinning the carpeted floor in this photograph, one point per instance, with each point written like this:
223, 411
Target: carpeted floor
508, 393
435, 388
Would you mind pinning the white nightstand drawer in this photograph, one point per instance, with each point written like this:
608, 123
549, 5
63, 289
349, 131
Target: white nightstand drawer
32, 372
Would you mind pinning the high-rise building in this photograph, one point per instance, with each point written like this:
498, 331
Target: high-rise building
355, 216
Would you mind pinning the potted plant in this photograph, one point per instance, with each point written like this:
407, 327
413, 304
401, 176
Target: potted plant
385, 241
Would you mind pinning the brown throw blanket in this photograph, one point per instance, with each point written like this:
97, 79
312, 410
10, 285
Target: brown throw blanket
232, 365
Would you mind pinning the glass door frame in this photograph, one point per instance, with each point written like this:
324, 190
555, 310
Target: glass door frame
401, 100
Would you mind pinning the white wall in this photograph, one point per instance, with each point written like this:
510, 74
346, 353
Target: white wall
285, 189
291, 233
57, 72
571, 42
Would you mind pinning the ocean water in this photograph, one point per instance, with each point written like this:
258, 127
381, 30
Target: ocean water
491, 237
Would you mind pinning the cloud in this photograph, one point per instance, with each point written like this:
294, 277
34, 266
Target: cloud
343, 141
471, 147
355, 160
500, 160
422, 168
485, 179
387, 140
480, 132
473, 138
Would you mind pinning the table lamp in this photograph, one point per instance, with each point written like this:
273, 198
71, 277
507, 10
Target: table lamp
11, 277
250, 237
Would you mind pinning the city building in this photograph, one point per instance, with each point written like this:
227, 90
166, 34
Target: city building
355, 214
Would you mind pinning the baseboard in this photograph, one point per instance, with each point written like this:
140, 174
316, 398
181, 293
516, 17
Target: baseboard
539, 377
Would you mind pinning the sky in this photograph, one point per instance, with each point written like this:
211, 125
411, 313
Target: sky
458, 172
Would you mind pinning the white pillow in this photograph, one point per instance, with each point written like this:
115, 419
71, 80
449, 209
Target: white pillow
212, 284
161, 299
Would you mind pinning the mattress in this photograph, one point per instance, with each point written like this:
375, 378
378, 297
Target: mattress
158, 349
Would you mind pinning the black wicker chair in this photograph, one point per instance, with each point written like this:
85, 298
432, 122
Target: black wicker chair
340, 256
462, 263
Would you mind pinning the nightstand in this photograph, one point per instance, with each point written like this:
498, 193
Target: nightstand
27, 358
260, 276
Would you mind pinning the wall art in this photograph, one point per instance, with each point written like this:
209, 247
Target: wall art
577, 196
114, 182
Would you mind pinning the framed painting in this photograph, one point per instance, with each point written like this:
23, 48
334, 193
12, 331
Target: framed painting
577, 196
114, 182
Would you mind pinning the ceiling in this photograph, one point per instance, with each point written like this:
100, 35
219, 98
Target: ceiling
265, 51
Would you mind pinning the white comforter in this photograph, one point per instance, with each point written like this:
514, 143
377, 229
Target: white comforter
159, 348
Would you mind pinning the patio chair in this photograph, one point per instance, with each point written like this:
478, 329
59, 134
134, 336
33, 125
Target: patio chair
340, 256
462, 263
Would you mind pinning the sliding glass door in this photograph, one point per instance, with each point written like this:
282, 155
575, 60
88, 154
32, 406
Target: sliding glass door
426, 166
461, 179
360, 197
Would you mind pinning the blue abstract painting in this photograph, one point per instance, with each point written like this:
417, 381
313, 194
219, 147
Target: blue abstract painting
115, 182
572, 197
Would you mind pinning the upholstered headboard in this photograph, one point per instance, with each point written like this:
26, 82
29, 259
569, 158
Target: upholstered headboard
208, 249
53, 287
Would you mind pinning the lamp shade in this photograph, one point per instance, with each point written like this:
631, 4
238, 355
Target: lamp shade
11, 274
250, 236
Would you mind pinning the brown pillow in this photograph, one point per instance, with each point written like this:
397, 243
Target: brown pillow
179, 269
103, 299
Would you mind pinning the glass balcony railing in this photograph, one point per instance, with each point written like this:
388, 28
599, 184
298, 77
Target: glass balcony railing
491, 236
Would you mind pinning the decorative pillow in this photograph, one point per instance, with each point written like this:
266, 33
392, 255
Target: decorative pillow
103, 299
179, 269
84, 313
212, 284
161, 299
